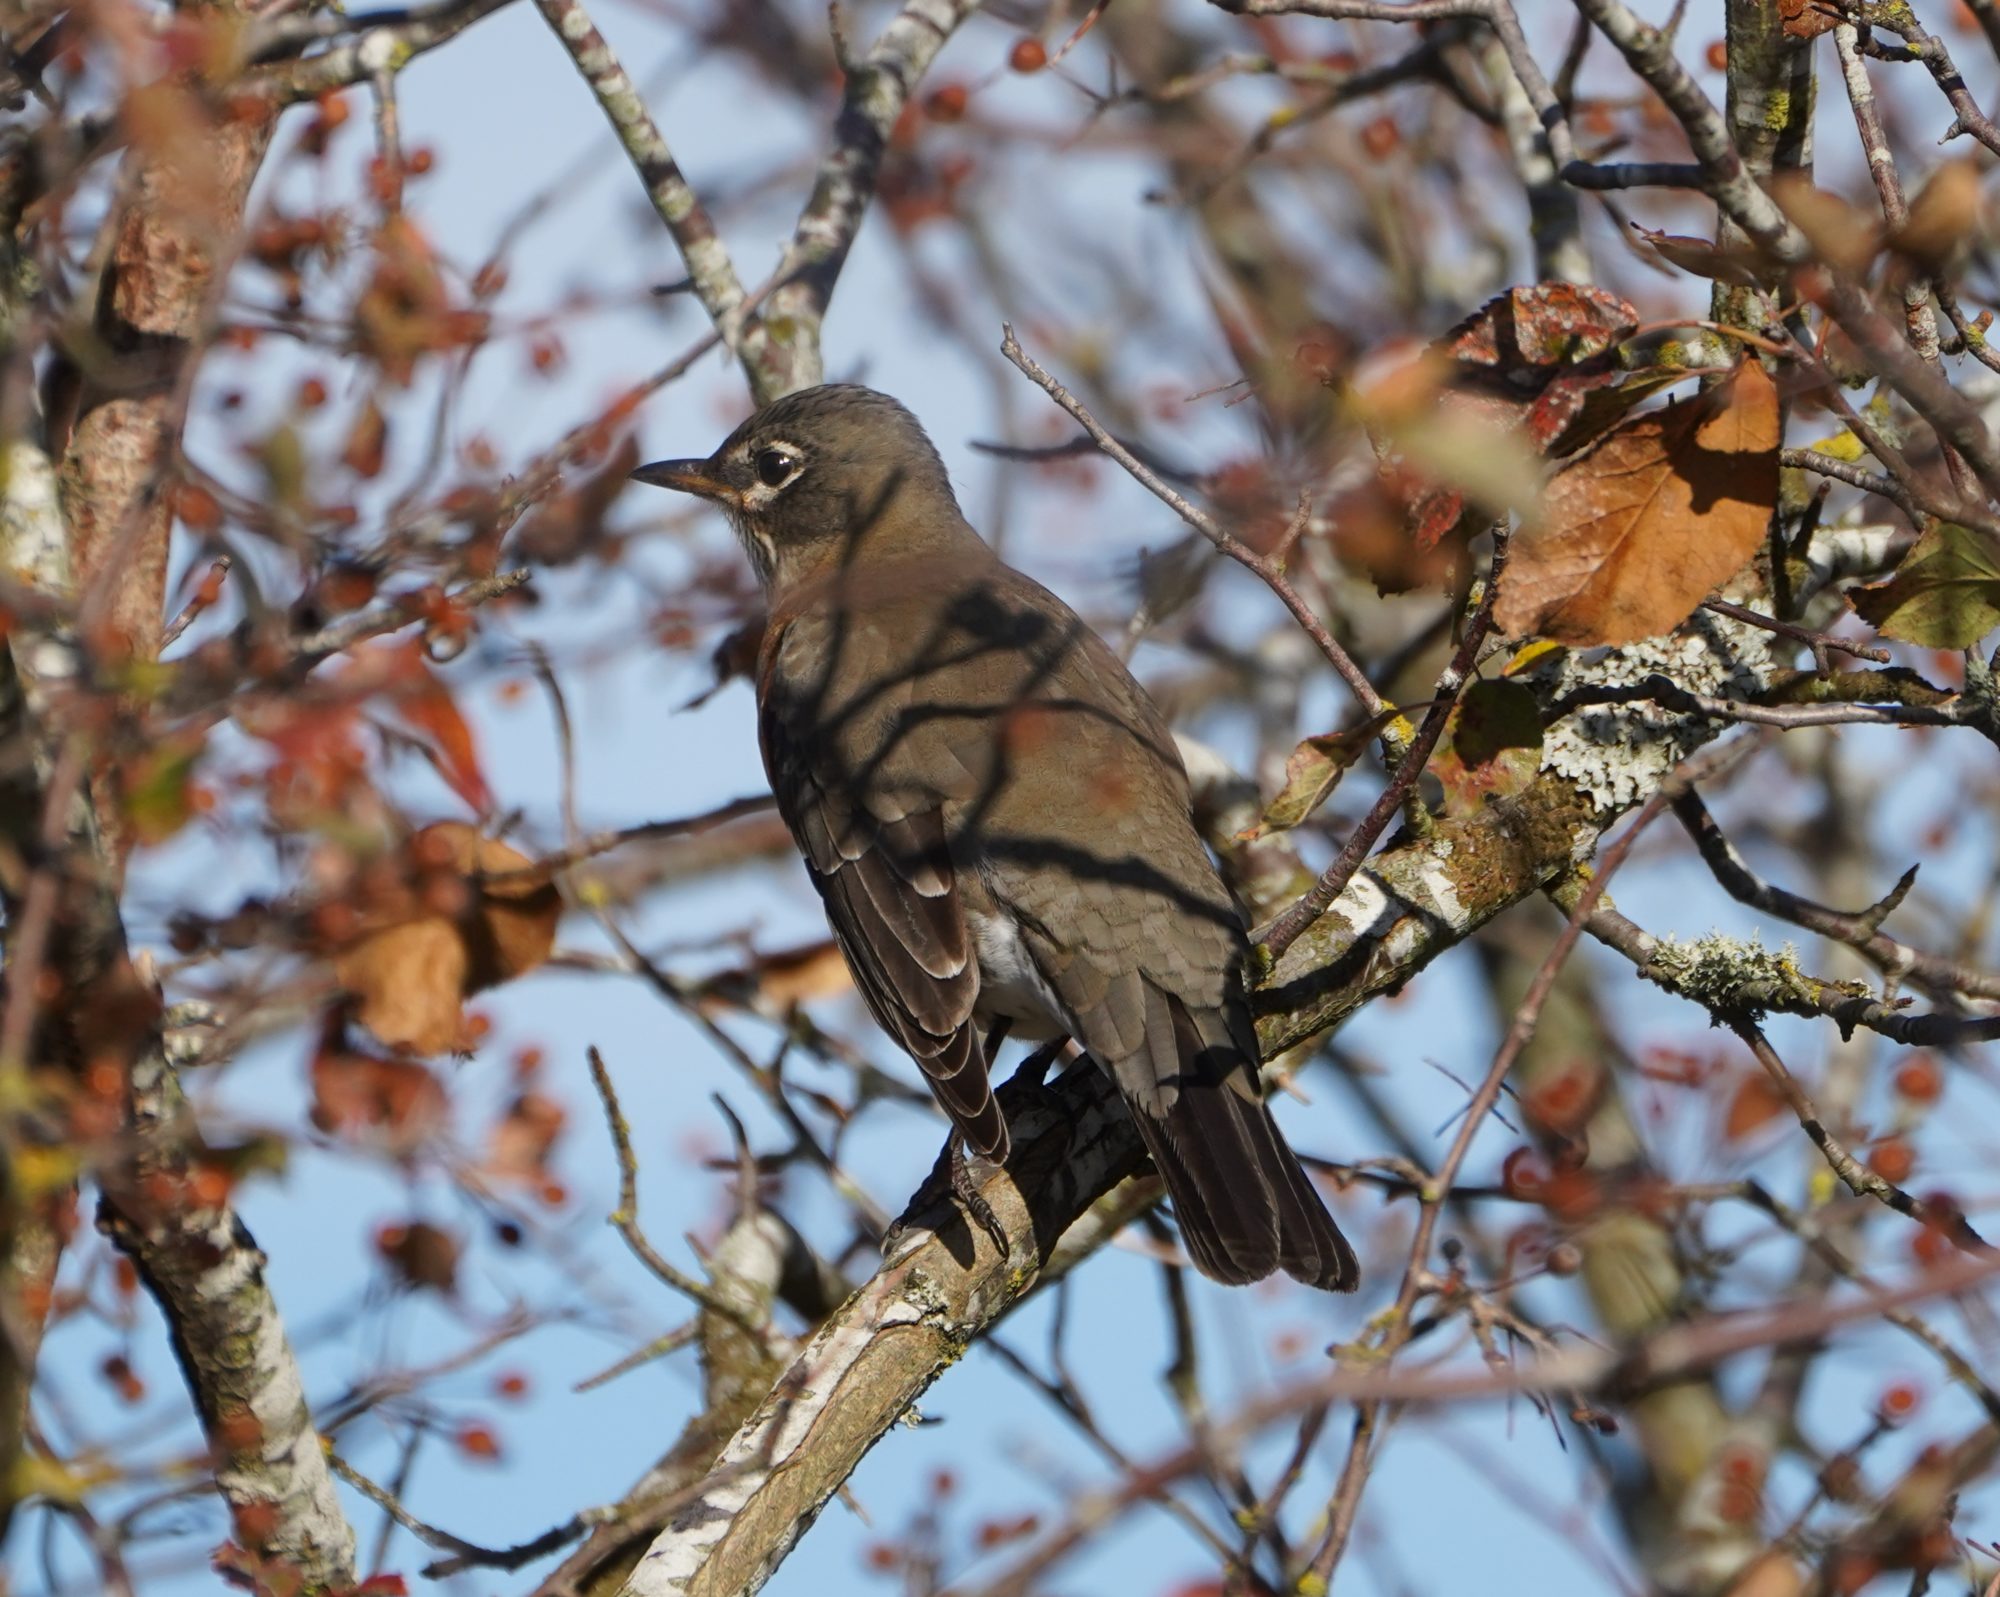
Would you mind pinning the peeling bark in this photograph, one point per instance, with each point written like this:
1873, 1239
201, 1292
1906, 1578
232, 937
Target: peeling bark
175, 236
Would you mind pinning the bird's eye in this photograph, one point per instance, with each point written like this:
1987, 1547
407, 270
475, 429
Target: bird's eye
774, 466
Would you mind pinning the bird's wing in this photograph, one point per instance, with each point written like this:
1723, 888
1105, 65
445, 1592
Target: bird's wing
875, 844
1096, 858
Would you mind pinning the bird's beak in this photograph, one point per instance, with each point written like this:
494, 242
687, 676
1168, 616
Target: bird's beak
685, 476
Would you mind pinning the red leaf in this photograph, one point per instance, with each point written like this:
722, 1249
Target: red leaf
428, 707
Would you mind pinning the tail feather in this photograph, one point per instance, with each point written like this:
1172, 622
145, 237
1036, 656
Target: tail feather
1245, 1205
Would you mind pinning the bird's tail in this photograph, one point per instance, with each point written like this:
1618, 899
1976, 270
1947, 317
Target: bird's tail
1246, 1207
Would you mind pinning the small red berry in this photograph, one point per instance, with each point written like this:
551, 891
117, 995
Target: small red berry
478, 1441
1380, 137
1920, 1080
1893, 1160
947, 102
1899, 1402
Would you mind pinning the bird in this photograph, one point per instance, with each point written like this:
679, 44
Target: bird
998, 821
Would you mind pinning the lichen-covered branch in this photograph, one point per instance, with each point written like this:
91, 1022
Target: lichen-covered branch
206, 1272
75, 1000
1861, 930
775, 332
32, 546
356, 50
201, 1265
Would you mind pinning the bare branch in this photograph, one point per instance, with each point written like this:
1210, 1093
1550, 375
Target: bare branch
1862, 932
710, 271
361, 47
1270, 571
874, 1358
781, 347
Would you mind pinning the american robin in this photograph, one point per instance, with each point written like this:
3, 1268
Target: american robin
997, 818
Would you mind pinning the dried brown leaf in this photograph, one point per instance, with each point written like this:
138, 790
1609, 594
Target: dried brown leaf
524, 1137
1314, 770
474, 915
1944, 216
794, 975
422, 1255
1756, 1102
1641, 529
408, 983
1702, 257
367, 443
1806, 19
1840, 234
570, 524
398, 1102
1516, 372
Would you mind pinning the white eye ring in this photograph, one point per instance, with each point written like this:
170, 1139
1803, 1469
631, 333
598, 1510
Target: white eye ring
775, 466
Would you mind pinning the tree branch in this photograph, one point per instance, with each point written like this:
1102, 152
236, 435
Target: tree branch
781, 345
709, 268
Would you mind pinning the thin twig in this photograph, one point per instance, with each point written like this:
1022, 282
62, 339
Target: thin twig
206, 592
465, 1554
1346, 1500
1861, 932
1270, 571
1819, 642
1286, 929
625, 1218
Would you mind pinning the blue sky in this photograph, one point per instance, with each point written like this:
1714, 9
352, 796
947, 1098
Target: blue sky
507, 116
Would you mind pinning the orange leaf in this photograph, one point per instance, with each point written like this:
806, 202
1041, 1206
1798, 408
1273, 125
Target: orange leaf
1641, 529
1806, 19
353, 1093
429, 707
1755, 1103
517, 918
524, 1137
1703, 257
422, 1254
408, 982
367, 441
1944, 215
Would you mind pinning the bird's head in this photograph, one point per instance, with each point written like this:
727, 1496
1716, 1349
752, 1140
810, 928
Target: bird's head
834, 474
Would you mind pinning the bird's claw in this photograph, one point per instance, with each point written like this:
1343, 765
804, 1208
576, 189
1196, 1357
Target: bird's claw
966, 1190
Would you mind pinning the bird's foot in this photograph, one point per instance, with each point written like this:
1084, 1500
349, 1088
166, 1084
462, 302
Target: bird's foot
1032, 1074
1033, 1071
965, 1188
954, 1165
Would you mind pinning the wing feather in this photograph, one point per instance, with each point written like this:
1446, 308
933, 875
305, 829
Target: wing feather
881, 863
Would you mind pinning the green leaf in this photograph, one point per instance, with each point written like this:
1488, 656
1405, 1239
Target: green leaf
1945, 594
159, 791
